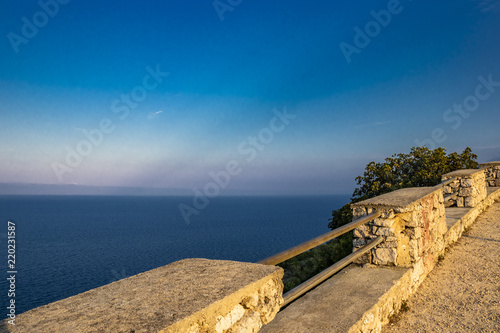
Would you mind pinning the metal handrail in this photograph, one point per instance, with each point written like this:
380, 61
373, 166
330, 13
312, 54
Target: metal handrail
320, 277
448, 199
296, 250
451, 196
446, 182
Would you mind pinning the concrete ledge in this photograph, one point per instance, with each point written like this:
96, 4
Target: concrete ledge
461, 173
192, 295
405, 197
487, 164
344, 302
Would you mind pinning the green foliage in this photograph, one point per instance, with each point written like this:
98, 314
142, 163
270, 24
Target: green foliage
304, 266
421, 167
341, 216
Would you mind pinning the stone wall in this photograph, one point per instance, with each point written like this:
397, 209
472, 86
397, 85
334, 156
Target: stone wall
192, 295
469, 185
492, 173
412, 224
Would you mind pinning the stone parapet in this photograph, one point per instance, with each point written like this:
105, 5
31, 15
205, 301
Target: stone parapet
412, 223
492, 173
192, 295
469, 185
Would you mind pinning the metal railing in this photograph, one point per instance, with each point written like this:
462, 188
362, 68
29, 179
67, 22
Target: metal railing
304, 287
448, 199
446, 182
320, 277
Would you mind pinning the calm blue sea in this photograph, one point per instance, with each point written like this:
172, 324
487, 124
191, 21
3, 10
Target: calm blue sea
69, 244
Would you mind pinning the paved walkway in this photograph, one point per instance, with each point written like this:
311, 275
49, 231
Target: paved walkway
462, 293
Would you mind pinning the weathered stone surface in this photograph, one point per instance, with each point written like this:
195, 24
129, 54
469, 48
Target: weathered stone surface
414, 233
358, 242
469, 202
384, 222
192, 295
354, 300
466, 191
461, 173
362, 231
403, 252
409, 231
466, 182
393, 244
384, 256
471, 189
397, 199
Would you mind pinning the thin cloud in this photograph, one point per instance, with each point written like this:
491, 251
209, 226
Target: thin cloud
154, 115
378, 123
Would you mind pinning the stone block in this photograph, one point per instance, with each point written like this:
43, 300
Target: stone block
467, 182
403, 252
357, 242
460, 202
384, 256
413, 249
466, 191
384, 222
191, 295
388, 214
469, 202
414, 233
359, 211
364, 259
383, 231
362, 231
416, 219
442, 228
393, 244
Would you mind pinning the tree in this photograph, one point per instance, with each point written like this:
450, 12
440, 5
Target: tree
421, 167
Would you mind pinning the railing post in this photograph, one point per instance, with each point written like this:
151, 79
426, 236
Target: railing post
467, 189
492, 173
412, 223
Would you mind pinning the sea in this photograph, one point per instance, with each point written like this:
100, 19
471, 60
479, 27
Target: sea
65, 245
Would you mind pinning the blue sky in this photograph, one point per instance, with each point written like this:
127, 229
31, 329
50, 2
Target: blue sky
68, 66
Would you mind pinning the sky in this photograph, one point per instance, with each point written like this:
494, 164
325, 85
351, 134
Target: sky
256, 97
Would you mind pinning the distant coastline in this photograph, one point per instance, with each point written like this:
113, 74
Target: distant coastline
74, 189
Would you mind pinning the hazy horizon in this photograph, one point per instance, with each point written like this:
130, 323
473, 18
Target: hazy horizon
75, 189
250, 97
